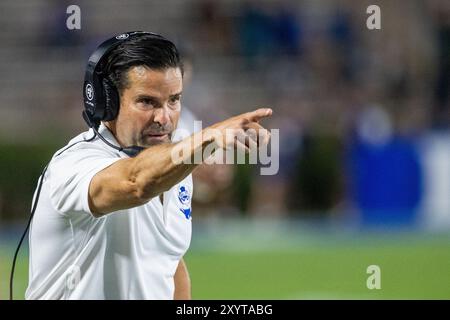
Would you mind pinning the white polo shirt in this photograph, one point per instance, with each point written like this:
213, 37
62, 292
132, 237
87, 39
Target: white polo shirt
128, 254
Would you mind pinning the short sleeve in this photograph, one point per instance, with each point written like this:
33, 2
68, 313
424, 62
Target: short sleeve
70, 175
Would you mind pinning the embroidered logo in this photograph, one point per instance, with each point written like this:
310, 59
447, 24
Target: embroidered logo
185, 199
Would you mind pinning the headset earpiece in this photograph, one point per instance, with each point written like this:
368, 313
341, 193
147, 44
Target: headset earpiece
112, 100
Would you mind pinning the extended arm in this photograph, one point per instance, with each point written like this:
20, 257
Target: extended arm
134, 181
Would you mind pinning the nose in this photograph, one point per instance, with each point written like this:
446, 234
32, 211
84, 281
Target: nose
162, 116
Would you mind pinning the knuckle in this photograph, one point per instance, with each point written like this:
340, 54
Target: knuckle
244, 122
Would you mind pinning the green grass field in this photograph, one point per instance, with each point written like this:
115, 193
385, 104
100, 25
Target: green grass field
411, 268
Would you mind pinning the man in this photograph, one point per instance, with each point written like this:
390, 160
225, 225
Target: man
110, 226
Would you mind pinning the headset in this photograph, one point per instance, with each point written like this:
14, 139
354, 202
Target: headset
101, 103
101, 98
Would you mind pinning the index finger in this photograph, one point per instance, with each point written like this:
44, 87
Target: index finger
258, 114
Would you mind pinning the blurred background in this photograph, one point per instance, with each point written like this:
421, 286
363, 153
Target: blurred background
364, 120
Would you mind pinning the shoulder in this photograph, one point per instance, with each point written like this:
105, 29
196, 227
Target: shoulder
72, 168
84, 147
81, 156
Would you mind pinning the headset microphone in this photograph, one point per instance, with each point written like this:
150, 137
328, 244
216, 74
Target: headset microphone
130, 151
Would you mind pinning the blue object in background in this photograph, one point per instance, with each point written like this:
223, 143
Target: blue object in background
386, 181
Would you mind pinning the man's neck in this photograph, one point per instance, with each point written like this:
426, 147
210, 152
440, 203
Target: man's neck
111, 126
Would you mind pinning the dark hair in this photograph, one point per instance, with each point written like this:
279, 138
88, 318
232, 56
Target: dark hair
156, 53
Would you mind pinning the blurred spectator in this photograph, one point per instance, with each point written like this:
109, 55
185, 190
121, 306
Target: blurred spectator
288, 31
316, 180
214, 26
442, 92
343, 38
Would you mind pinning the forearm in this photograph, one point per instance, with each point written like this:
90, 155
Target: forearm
182, 282
158, 168
134, 181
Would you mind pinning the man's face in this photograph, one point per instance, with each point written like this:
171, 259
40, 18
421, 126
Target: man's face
149, 107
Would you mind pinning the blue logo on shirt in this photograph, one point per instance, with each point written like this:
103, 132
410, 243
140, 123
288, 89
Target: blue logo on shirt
185, 197
186, 212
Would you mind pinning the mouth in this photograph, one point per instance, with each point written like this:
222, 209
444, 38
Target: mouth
158, 136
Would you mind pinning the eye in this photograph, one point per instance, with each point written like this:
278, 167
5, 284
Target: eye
173, 101
145, 102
